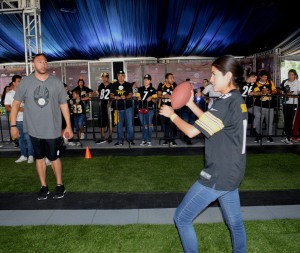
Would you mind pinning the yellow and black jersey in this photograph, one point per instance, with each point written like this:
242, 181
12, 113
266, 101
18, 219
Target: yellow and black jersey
77, 107
119, 90
83, 91
264, 101
224, 126
165, 88
145, 93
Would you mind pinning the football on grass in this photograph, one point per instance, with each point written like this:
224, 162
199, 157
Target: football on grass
181, 95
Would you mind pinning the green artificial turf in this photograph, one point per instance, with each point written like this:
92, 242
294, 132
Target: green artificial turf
275, 236
148, 173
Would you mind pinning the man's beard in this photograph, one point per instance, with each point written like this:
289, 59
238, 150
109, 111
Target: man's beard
41, 71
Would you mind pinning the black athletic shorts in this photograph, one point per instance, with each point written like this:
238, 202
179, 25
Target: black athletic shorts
46, 148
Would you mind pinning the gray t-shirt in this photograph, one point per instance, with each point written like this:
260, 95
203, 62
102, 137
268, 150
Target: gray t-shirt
42, 114
224, 126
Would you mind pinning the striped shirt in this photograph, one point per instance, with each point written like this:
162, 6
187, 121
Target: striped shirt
224, 126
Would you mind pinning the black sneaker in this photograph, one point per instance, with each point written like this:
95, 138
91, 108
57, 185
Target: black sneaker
173, 143
59, 192
270, 139
165, 143
100, 141
109, 140
118, 143
43, 193
131, 142
258, 139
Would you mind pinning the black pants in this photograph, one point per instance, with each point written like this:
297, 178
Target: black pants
168, 127
289, 113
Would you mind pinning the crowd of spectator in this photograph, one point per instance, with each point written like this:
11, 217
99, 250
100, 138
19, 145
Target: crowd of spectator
120, 102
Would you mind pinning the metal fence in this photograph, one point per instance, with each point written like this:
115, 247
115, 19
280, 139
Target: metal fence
94, 106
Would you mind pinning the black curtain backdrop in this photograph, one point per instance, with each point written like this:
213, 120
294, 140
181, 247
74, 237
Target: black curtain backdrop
93, 29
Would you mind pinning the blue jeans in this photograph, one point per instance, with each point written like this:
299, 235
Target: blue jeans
195, 201
24, 141
79, 121
147, 126
127, 115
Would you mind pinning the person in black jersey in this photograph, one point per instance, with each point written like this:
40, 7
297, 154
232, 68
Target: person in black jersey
246, 89
121, 93
85, 95
146, 111
105, 113
264, 105
78, 114
224, 126
164, 92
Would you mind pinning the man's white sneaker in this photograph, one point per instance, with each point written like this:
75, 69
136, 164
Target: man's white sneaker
30, 159
149, 144
72, 144
82, 136
21, 159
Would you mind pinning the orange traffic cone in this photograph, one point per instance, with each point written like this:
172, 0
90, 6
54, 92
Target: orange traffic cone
87, 153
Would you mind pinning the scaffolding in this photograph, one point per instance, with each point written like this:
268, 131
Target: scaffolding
30, 11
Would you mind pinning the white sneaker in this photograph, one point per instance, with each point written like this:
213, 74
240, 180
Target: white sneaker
30, 159
66, 141
82, 136
21, 159
78, 144
286, 141
149, 144
48, 163
72, 144
143, 143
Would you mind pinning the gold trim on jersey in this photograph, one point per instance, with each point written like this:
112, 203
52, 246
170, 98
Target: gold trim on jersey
210, 123
244, 108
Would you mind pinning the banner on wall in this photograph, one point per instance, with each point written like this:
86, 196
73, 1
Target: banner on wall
76, 72
95, 71
7, 72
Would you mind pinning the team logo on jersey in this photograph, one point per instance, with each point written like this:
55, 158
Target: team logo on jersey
121, 90
41, 96
226, 95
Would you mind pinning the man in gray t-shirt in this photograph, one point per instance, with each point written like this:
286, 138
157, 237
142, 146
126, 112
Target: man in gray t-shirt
45, 99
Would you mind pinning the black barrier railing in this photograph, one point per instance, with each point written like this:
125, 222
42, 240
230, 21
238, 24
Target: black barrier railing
273, 125
271, 115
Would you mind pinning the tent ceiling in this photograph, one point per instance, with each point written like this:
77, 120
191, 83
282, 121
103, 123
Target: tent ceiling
93, 29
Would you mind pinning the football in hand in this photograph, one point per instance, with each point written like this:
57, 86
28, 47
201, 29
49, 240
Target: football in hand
181, 95
66, 135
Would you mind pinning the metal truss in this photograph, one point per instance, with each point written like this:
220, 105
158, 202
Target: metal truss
31, 18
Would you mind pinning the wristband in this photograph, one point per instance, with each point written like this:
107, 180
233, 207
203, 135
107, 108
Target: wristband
13, 126
173, 116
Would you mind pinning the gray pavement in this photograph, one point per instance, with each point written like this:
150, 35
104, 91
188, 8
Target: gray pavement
136, 216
